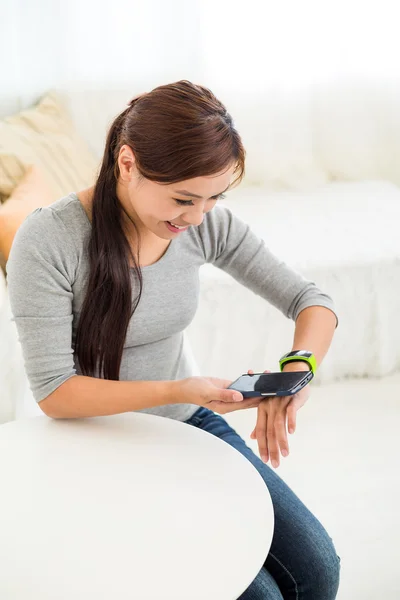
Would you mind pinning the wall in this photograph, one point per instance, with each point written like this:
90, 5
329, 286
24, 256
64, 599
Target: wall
313, 87
76, 44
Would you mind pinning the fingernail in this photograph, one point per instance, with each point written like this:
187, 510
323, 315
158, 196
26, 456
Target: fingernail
285, 452
274, 463
237, 397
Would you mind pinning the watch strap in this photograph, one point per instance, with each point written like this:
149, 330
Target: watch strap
299, 356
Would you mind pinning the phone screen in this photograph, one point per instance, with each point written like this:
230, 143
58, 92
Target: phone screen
269, 383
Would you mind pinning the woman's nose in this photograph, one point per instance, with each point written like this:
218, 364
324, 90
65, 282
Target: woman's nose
194, 217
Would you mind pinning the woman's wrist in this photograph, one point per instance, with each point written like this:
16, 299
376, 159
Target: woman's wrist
300, 365
173, 391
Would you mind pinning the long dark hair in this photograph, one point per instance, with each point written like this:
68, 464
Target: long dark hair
177, 131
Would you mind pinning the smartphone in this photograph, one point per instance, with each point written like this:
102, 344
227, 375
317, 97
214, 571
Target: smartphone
286, 383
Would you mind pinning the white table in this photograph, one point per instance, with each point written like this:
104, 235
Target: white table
130, 506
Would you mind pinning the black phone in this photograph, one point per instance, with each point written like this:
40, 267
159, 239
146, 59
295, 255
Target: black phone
285, 383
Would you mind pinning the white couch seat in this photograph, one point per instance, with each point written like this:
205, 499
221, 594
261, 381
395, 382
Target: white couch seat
344, 237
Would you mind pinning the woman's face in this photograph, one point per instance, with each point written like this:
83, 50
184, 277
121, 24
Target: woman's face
154, 206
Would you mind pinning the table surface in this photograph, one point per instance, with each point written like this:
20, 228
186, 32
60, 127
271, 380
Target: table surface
129, 506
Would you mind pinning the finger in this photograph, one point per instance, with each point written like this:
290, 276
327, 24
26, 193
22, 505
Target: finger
253, 434
247, 403
280, 427
261, 434
250, 372
225, 407
291, 416
273, 447
227, 396
252, 405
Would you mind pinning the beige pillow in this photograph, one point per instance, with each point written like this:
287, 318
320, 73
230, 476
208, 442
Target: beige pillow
44, 136
33, 192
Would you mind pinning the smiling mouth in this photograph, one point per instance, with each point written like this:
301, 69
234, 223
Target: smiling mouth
177, 226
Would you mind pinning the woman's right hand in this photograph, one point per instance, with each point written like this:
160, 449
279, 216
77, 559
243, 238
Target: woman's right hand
211, 393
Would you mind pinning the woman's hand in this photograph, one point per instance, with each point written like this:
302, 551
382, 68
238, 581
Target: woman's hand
211, 393
270, 430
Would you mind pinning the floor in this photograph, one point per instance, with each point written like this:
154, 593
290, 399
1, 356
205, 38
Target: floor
344, 465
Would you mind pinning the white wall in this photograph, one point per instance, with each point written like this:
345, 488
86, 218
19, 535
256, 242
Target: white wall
249, 48
81, 43
313, 86
31, 51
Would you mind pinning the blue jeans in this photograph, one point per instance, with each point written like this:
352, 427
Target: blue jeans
302, 563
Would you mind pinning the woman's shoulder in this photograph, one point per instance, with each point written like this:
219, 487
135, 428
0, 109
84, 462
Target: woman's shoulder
221, 233
70, 210
53, 233
63, 218
214, 229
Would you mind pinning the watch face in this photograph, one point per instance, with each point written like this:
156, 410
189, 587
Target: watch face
304, 353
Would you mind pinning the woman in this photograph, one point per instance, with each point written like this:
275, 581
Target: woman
103, 283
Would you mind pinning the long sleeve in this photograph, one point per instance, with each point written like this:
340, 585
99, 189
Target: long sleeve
231, 245
39, 275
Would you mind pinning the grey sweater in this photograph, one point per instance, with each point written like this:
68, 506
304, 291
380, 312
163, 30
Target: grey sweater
47, 274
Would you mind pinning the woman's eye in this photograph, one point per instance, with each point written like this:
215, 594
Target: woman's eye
190, 203
184, 202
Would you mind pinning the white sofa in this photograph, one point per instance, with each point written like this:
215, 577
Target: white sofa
13, 384
341, 234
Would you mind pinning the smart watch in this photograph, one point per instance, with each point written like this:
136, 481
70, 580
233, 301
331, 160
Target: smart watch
297, 356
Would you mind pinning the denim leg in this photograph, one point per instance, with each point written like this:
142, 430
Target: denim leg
302, 559
264, 587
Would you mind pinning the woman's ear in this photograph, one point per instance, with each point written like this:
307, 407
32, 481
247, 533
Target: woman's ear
126, 163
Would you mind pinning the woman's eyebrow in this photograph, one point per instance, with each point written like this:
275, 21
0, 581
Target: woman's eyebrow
186, 193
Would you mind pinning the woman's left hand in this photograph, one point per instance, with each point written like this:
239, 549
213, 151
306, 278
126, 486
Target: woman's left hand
270, 430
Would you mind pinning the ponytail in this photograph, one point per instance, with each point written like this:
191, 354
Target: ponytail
107, 308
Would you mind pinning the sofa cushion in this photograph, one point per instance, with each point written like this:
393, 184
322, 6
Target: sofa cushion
44, 136
32, 192
340, 223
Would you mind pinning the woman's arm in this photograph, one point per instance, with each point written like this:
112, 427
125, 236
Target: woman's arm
231, 245
82, 396
314, 331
